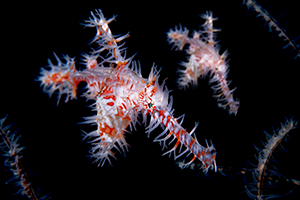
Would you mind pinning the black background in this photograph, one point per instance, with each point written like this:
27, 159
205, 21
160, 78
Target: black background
265, 75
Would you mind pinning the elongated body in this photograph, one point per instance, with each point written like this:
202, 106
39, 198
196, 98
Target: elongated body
204, 58
120, 94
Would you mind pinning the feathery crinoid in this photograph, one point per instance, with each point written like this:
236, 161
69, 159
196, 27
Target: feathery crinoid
204, 58
264, 181
120, 93
13, 155
273, 23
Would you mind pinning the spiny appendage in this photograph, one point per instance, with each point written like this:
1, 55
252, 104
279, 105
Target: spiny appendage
206, 155
104, 37
60, 77
13, 154
204, 59
272, 23
64, 78
108, 136
105, 40
257, 190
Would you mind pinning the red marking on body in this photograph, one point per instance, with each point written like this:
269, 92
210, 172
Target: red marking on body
107, 90
176, 144
115, 54
203, 153
101, 85
110, 103
61, 78
127, 82
153, 91
191, 143
148, 111
92, 84
91, 64
192, 159
113, 97
121, 65
134, 103
108, 130
121, 114
124, 106
168, 119
170, 134
99, 32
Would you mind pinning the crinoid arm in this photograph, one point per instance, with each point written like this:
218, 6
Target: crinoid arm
262, 187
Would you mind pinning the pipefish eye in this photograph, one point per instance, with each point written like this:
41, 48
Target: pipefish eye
150, 105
